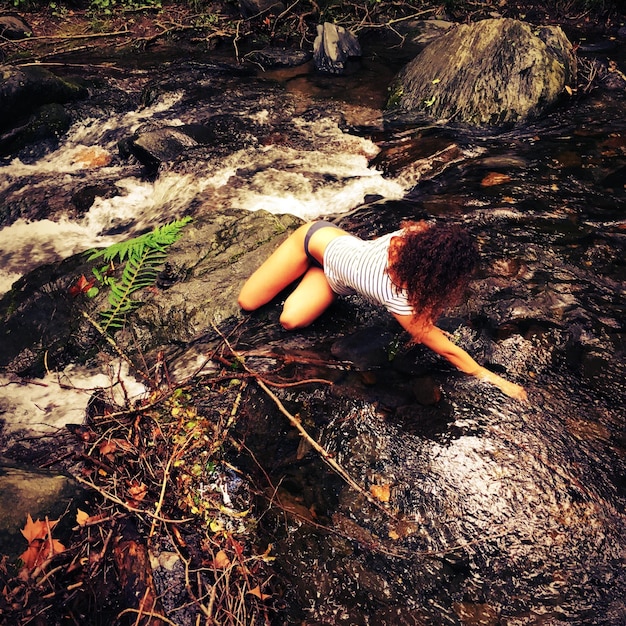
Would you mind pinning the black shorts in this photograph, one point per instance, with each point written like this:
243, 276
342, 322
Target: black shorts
309, 233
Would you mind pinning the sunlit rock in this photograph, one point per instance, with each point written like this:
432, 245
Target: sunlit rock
493, 72
39, 494
333, 47
207, 266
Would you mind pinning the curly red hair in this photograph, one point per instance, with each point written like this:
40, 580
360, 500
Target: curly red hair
434, 263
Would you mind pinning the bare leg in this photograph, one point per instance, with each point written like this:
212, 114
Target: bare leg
286, 264
308, 300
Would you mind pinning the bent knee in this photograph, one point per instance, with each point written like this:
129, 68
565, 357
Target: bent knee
290, 321
294, 317
246, 303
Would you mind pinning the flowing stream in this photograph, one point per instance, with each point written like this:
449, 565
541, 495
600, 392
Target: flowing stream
511, 514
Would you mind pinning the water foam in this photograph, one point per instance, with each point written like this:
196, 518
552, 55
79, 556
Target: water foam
44, 406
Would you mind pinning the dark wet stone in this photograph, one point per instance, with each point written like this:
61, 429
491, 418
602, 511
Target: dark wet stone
157, 146
254, 8
14, 27
279, 57
616, 180
84, 198
366, 348
37, 135
24, 89
230, 130
427, 391
400, 615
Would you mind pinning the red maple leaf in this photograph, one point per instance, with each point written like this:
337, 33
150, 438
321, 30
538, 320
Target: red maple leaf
82, 285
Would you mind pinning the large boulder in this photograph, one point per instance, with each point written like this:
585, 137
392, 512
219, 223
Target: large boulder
42, 315
23, 90
494, 72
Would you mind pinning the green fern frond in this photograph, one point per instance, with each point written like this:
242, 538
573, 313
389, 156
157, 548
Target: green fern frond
160, 238
143, 257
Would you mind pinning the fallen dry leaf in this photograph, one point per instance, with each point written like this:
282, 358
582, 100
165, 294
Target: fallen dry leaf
257, 592
37, 529
40, 551
41, 546
82, 285
495, 178
81, 517
137, 492
107, 448
92, 156
221, 560
381, 492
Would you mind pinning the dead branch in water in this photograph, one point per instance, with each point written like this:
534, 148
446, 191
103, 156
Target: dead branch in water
296, 423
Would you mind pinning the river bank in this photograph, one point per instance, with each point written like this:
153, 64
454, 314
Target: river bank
59, 29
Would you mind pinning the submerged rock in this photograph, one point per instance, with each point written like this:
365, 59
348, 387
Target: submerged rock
493, 72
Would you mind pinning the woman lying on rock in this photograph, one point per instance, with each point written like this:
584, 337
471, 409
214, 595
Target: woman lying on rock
414, 273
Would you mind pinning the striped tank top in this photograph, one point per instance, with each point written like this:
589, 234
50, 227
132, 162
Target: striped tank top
356, 266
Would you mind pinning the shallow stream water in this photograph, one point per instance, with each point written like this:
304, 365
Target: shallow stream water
498, 513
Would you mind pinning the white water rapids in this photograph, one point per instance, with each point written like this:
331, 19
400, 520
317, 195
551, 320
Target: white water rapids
309, 183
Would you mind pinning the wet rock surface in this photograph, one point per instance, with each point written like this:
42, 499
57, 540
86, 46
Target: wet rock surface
199, 287
24, 89
475, 492
37, 493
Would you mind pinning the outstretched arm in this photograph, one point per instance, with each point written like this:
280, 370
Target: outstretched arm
435, 339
